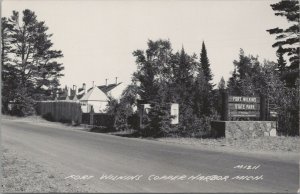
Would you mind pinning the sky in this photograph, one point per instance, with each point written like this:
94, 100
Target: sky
97, 38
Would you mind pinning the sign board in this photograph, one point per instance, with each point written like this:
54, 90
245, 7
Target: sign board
143, 110
243, 106
175, 113
273, 114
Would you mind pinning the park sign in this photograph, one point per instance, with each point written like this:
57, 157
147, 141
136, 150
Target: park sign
243, 106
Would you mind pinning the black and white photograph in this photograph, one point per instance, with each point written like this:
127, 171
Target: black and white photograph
150, 96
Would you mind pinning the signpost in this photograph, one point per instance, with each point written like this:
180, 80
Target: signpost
234, 111
243, 107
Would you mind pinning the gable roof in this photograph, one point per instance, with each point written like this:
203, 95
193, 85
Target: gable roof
94, 94
73, 97
117, 91
80, 94
108, 88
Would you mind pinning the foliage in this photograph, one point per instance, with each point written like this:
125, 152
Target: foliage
157, 121
222, 85
205, 65
288, 112
233, 83
281, 63
288, 39
29, 60
246, 68
152, 67
257, 78
217, 98
23, 105
125, 117
120, 112
164, 77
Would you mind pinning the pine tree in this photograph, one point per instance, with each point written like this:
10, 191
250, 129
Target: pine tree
204, 61
218, 95
288, 38
8, 71
29, 59
221, 85
233, 84
203, 87
243, 65
200, 90
183, 77
281, 63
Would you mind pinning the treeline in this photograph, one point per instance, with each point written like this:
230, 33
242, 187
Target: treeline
164, 77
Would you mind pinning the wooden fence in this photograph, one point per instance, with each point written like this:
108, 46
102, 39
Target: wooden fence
68, 111
63, 111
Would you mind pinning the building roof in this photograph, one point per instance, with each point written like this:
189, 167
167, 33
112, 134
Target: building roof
117, 91
80, 94
107, 88
94, 94
74, 97
101, 93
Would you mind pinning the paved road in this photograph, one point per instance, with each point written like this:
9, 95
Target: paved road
74, 152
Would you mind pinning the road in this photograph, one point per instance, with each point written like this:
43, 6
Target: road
75, 152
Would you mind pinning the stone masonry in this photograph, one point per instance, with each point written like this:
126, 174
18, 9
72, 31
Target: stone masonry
243, 129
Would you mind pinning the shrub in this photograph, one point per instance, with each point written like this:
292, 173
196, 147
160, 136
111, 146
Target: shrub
157, 122
134, 121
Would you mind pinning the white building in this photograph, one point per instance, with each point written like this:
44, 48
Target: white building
94, 98
116, 91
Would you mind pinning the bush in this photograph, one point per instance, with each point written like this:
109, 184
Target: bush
22, 104
157, 122
21, 110
134, 121
288, 112
198, 126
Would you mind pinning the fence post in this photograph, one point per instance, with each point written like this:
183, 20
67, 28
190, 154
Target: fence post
262, 107
224, 116
92, 116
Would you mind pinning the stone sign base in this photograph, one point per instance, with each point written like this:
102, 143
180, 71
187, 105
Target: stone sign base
243, 129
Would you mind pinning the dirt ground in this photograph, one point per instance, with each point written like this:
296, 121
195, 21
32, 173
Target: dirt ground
274, 145
21, 175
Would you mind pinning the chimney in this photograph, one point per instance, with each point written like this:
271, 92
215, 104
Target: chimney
84, 87
75, 90
116, 80
93, 84
70, 92
106, 82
